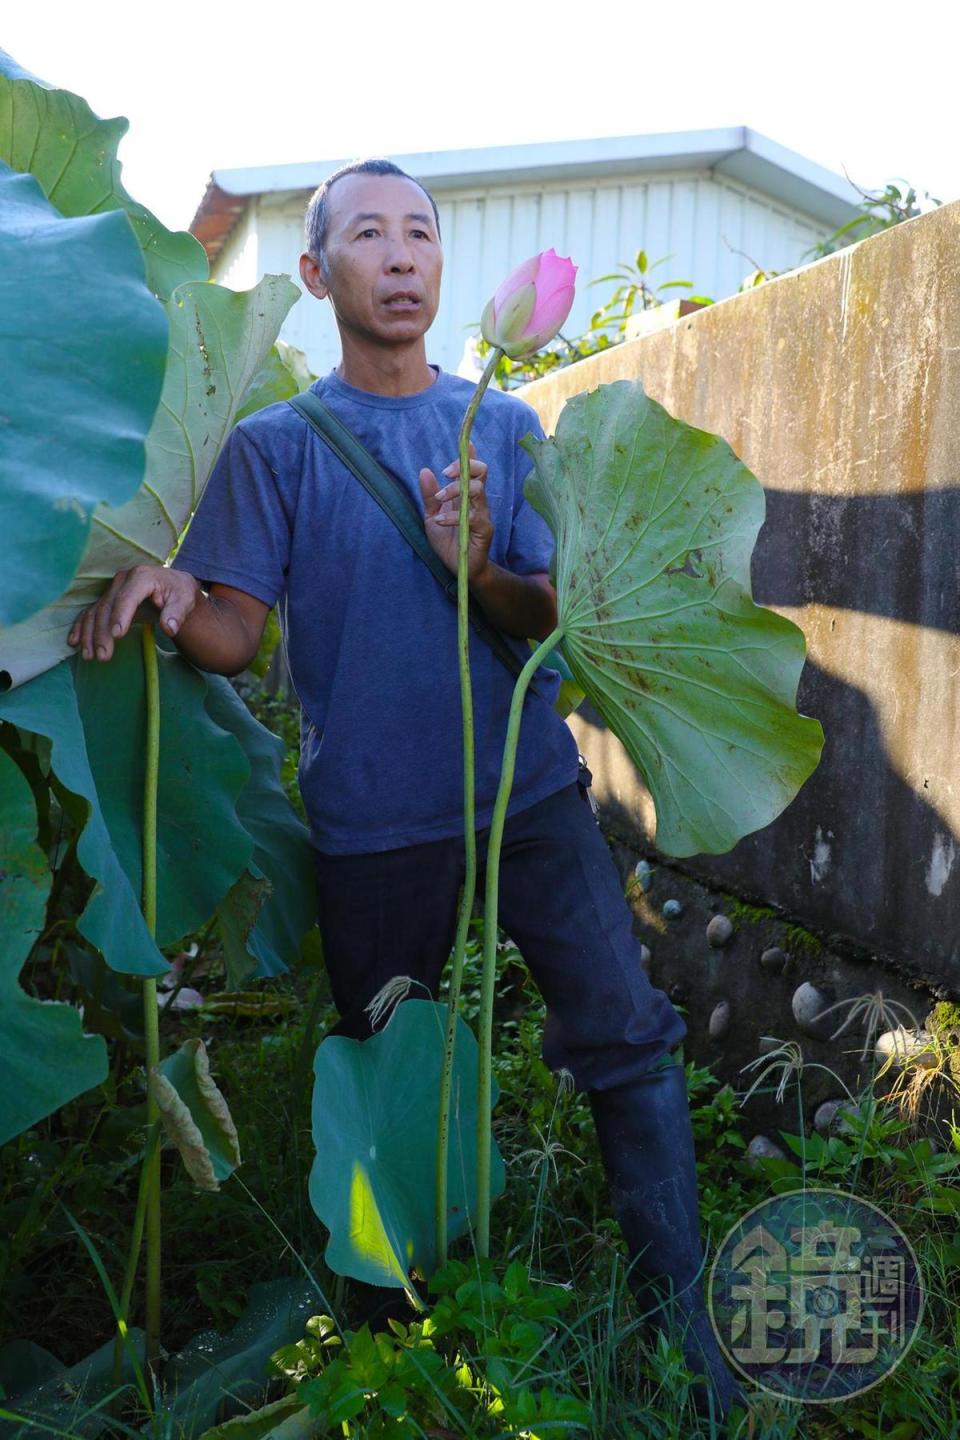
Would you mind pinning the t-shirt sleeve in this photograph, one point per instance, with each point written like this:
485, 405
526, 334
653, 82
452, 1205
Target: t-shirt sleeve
240, 534
531, 547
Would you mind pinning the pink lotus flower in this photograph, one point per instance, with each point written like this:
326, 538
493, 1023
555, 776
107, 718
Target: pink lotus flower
530, 306
183, 998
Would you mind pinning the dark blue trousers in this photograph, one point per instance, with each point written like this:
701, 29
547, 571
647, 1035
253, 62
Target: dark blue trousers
394, 912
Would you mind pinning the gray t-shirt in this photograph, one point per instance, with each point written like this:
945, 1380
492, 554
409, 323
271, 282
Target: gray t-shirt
371, 639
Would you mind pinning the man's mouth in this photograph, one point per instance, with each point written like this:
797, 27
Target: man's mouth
402, 300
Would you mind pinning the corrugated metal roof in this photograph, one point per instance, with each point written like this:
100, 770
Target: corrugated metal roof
737, 151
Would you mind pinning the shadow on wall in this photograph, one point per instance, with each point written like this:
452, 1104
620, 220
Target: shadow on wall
870, 849
891, 555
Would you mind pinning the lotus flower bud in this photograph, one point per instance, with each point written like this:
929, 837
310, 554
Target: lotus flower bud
530, 306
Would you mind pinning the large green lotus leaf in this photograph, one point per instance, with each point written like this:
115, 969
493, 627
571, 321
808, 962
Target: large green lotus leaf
95, 714
655, 523
218, 341
46, 1059
55, 136
112, 919
82, 350
32, 754
263, 918
213, 1365
202, 846
70, 1401
375, 1115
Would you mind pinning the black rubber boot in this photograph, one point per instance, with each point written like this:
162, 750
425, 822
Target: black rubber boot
646, 1141
377, 1305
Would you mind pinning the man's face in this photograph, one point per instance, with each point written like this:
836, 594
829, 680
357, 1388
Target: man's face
383, 258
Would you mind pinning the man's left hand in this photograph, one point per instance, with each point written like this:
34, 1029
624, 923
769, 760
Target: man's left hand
441, 514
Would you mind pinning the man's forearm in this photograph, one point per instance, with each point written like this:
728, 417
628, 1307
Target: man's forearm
522, 605
215, 637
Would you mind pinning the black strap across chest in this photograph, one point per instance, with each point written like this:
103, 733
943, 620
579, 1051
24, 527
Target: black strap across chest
396, 501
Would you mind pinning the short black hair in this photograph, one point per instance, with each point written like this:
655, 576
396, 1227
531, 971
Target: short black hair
317, 218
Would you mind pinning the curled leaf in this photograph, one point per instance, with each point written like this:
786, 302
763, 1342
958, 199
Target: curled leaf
195, 1115
284, 1419
252, 1004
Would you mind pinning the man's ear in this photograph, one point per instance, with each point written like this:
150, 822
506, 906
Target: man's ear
311, 273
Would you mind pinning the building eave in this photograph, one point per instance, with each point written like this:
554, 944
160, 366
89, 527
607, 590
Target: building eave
216, 215
737, 152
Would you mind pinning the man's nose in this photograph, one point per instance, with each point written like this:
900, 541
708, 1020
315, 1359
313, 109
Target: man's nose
399, 257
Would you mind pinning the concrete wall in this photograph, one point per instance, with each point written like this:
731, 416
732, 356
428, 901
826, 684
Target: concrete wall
839, 386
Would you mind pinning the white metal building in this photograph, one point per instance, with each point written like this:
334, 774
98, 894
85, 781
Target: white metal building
719, 202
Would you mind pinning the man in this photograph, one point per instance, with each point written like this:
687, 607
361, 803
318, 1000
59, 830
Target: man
371, 643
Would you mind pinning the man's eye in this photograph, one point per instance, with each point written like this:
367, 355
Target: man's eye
364, 233
420, 234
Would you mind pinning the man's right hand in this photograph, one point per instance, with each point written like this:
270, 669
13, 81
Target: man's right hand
136, 596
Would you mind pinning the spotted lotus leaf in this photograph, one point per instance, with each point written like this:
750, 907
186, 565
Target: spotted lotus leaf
655, 523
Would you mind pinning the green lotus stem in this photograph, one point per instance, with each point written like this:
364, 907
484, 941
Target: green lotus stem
485, 1082
133, 1257
469, 808
151, 1013
147, 1213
